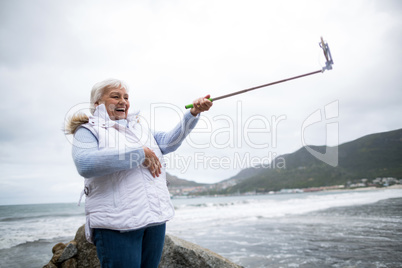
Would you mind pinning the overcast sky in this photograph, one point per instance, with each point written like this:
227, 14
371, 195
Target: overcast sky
171, 52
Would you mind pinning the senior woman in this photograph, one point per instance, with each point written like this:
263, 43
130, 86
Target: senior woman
127, 200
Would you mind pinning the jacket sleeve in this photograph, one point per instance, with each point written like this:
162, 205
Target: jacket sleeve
169, 141
92, 162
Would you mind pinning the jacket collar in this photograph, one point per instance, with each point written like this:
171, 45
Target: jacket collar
101, 118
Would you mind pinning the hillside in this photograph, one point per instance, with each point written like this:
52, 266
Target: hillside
177, 182
375, 155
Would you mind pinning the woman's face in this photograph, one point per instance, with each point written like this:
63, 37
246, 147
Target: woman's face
116, 103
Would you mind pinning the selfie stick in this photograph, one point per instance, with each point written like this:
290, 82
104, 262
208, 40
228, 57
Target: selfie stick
328, 66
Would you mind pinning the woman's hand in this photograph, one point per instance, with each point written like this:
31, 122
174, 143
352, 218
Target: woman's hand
152, 162
201, 105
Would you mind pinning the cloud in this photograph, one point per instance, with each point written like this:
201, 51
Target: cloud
51, 53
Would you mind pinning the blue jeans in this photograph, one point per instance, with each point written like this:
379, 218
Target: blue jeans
140, 248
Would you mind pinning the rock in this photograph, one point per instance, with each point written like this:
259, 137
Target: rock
70, 263
58, 247
86, 256
179, 253
50, 265
57, 251
69, 251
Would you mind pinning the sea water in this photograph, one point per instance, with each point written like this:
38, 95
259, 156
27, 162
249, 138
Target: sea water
325, 229
322, 229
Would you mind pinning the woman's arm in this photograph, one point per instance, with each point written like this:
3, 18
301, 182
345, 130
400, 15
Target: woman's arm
92, 162
170, 141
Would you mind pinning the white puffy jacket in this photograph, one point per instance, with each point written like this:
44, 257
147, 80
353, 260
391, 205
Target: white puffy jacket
129, 199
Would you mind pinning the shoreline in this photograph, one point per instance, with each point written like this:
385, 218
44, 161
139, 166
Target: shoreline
293, 191
369, 188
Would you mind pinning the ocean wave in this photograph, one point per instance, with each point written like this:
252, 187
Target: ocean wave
202, 205
18, 232
34, 217
27, 225
228, 210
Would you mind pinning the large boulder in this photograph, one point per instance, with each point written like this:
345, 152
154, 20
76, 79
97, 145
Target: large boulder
86, 257
177, 253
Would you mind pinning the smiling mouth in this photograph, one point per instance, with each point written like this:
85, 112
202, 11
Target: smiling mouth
123, 110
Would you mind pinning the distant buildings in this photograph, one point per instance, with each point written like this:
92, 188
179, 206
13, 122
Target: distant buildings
217, 188
386, 181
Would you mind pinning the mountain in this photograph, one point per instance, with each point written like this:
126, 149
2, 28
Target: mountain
375, 155
177, 182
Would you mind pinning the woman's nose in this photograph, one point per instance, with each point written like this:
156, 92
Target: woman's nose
122, 100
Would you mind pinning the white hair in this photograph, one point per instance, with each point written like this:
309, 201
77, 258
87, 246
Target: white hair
101, 87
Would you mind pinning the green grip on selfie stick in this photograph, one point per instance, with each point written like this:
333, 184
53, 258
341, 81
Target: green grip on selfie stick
191, 105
